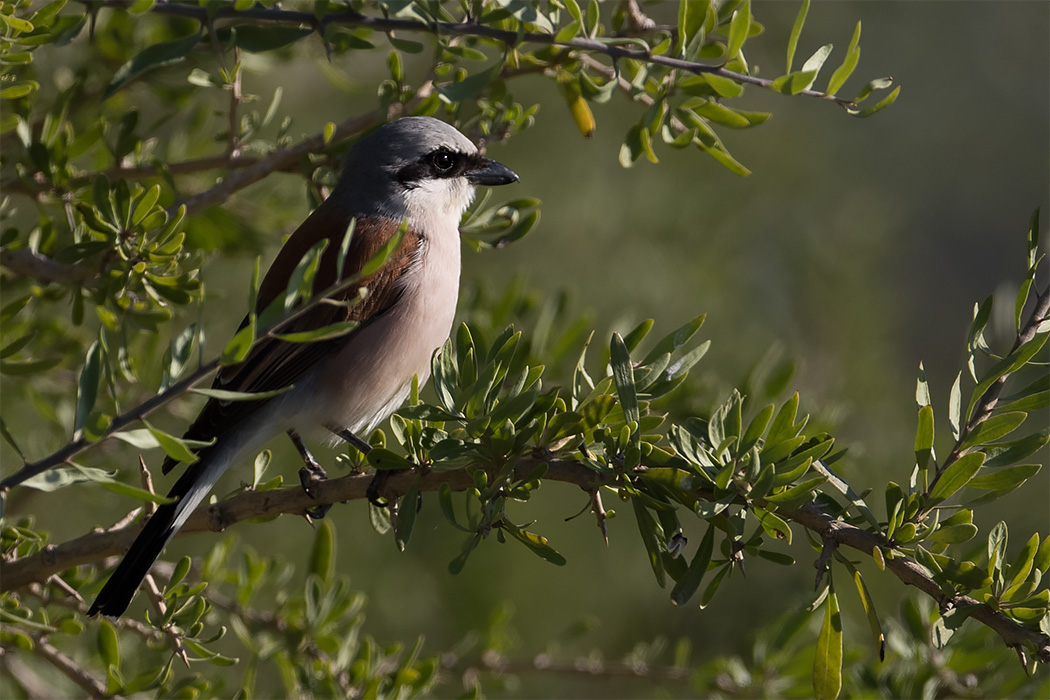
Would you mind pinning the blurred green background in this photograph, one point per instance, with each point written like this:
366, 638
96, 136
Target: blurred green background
857, 248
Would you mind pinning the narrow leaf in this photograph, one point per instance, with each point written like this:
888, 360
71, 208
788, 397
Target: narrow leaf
796, 31
623, 375
843, 72
322, 553
689, 583
174, 447
956, 476
827, 665
873, 617
87, 386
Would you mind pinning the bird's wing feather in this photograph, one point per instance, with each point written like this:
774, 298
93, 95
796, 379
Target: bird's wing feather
275, 364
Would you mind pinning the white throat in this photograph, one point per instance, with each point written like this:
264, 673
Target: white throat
438, 205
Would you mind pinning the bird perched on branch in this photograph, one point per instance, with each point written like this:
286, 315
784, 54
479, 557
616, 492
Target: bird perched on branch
407, 184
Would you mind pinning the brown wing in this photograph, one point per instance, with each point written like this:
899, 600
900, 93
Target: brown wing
275, 364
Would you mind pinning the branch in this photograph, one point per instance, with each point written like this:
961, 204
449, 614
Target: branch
29, 263
293, 500
910, 573
69, 668
509, 37
278, 160
283, 158
982, 410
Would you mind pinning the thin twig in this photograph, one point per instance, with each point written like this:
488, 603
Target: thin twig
69, 668
508, 37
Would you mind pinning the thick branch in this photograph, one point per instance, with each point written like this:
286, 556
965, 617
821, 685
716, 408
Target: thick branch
293, 500
830, 529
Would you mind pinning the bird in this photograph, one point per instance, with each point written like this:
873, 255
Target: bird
414, 177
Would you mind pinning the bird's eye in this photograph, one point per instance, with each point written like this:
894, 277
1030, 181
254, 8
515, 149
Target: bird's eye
443, 161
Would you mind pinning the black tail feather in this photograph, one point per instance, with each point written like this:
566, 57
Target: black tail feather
122, 585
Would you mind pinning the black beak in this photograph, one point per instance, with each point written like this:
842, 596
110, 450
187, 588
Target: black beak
489, 172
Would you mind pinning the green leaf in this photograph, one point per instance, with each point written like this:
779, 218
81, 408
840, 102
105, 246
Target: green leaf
1022, 565
18, 90
301, 281
688, 584
725, 159
739, 26
725, 87
955, 406
225, 395
470, 87
720, 114
798, 491
756, 428
712, 588
994, 428
10, 441
87, 386
262, 461
815, 62
877, 84
240, 344
773, 524
955, 477
637, 334
537, 543
382, 458
528, 13
122, 489
1006, 453
334, 330
623, 375
827, 665
182, 567
653, 546
174, 447
878, 106
794, 83
108, 647
924, 436
796, 31
322, 553
843, 72
1006, 479
783, 426
632, 148
869, 610
953, 534
164, 54
406, 45
922, 388
406, 516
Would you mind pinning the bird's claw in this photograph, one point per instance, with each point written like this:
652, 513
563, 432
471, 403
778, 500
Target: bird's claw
310, 476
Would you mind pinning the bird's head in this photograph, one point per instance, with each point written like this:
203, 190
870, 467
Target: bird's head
417, 168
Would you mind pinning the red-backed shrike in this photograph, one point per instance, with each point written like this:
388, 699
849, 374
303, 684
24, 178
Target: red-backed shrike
416, 171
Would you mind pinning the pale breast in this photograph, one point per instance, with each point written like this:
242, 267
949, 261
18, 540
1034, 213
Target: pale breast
371, 376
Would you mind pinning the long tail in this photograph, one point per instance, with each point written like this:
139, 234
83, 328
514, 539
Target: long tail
190, 490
